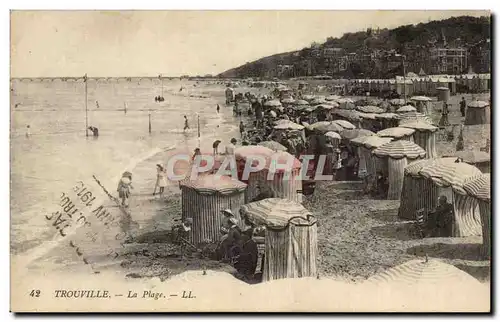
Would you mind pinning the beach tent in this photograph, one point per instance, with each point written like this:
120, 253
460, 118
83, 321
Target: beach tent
354, 133
204, 198
480, 188
418, 192
248, 154
397, 133
387, 120
399, 154
406, 109
425, 136
291, 241
466, 211
477, 113
373, 164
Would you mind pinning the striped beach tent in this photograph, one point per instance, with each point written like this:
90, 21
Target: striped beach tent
399, 154
425, 136
477, 113
282, 175
397, 133
291, 241
243, 155
466, 210
418, 192
479, 187
373, 164
204, 198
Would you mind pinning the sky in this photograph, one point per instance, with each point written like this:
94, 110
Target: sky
174, 43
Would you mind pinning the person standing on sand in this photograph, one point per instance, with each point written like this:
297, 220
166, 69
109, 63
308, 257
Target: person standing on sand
218, 108
215, 146
160, 179
231, 147
124, 186
186, 123
463, 104
242, 128
28, 131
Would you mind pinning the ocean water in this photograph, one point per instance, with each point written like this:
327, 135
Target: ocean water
58, 152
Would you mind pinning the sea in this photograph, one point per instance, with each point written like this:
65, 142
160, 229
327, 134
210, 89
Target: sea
57, 150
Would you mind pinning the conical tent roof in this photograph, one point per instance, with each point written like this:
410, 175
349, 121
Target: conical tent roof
212, 183
421, 72
478, 104
414, 168
325, 126
479, 186
354, 133
451, 174
405, 109
396, 132
400, 149
333, 135
420, 126
277, 213
374, 141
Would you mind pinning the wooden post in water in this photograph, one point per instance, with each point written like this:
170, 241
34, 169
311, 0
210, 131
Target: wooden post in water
86, 107
149, 121
199, 133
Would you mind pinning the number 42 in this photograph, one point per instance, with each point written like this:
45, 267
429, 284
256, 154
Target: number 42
35, 293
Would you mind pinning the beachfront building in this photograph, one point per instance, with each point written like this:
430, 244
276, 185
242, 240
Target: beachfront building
203, 200
291, 241
451, 61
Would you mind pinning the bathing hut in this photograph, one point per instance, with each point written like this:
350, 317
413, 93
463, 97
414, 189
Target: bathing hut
291, 241
242, 155
422, 103
399, 154
443, 94
286, 126
477, 113
418, 192
387, 120
480, 188
203, 200
397, 133
425, 136
282, 175
466, 212
368, 144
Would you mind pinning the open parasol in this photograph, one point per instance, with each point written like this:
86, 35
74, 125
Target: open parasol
273, 145
400, 149
348, 114
288, 125
277, 213
375, 141
414, 168
209, 184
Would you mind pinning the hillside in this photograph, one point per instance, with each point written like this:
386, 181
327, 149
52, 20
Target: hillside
409, 40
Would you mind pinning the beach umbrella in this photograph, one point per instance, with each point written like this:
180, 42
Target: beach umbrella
308, 97
345, 124
421, 98
396, 132
333, 97
273, 145
405, 109
348, 114
328, 106
397, 102
360, 140
273, 114
354, 133
419, 125
300, 102
400, 149
367, 116
473, 156
333, 135
243, 152
387, 116
374, 141
310, 109
272, 103
370, 109
424, 272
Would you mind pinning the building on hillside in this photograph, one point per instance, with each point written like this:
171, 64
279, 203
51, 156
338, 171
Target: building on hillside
451, 61
285, 71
